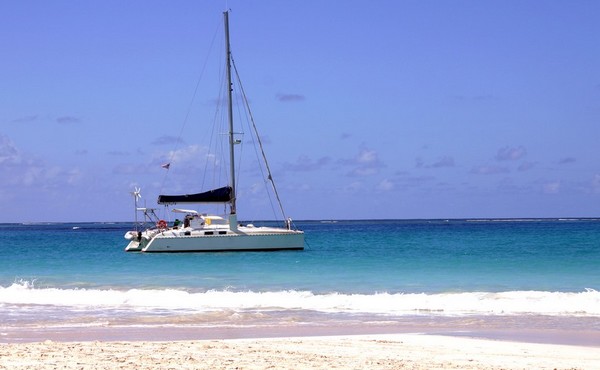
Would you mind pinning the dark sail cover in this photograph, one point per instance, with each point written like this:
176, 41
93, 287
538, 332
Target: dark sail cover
220, 195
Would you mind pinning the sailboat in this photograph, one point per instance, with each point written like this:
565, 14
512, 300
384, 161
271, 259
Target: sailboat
202, 232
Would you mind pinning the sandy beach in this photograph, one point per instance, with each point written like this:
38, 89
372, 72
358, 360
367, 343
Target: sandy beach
395, 351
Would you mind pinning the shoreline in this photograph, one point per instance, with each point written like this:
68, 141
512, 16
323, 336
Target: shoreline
303, 340
382, 351
579, 336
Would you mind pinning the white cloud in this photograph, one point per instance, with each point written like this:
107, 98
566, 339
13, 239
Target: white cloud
74, 176
385, 185
365, 163
367, 156
31, 176
354, 187
256, 188
526, 166
8, 152
364, 171
551, 187
20, 170
511, 154
489, 170
192, 155
445, 161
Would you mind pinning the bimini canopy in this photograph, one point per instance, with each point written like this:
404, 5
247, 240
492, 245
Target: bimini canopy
220, 195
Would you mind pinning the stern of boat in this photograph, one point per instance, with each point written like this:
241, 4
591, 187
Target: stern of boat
133, 246
137, 240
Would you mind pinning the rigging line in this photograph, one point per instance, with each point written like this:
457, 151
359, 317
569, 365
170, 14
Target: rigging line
210, 155
241, 150
247, 123
270, 178
189, 109
255, 140
216, 152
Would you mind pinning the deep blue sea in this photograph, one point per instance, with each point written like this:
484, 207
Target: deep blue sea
78, 274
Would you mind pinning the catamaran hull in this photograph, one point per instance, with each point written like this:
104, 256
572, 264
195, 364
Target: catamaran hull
169, 243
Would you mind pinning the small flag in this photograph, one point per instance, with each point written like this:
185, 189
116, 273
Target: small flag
166, 166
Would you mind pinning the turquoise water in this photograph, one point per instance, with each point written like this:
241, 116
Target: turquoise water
393, 268
345, 257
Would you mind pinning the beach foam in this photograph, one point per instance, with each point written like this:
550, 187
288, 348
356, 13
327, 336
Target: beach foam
586, 303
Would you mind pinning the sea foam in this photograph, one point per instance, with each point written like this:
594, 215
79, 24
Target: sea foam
585, 303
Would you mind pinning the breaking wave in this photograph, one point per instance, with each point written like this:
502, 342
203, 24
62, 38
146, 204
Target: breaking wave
585, 303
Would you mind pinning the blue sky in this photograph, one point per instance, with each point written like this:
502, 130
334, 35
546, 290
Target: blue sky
369, 109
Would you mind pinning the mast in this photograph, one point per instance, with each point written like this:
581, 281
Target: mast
230, 115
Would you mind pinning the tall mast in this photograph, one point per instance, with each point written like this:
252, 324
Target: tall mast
230, 114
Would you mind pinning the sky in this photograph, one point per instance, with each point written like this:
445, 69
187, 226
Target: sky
367, 109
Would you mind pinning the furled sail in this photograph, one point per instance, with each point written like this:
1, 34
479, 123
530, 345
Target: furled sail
220, 195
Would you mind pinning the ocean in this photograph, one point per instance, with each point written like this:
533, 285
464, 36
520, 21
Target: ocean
354, 276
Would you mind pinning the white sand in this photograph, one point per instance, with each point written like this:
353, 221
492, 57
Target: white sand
403, 351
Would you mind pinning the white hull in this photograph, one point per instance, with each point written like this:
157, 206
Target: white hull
217, 239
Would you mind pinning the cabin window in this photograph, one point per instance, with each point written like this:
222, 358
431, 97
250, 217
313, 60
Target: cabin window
208, 233
222, 232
